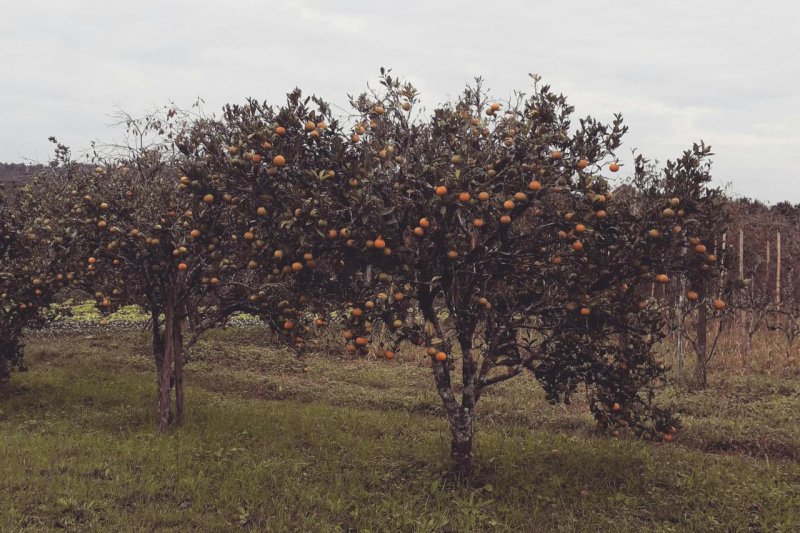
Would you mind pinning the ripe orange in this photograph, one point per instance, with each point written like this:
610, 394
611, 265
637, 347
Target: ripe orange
91, 260
478, 222
288, 325
208, 198
452, 254
440, 356
535, 185
464, 197
361, 341
379, 243
580, 228
441, 190
256, 159
508, 205
662, 278
483, 196
388, 354
615, 407
585, 311
419, 232
556, 154
583, 163
600, 214
399, 296
278, 160
577, 246
613, 167
719, 304
357, 312
297, 266
280, 130
700, 248
182, 266
505, 219
261, 211
692, 296
424, 223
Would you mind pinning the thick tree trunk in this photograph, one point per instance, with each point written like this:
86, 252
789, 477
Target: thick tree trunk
462, 430
701, 370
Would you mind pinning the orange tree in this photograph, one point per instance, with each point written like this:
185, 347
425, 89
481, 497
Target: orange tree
145, 242
488, 235
271, 169
704, 219
32, 248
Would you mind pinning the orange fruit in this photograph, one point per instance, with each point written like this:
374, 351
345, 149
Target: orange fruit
585, 311
692, 296
464, 197
583, 163
478, 222
182, 266
508, 205
577, 246
424, 223
505, 219
662, 278
441, 190
483, 196
440, 356
719, 304
580, 228
379, 243
419, 232
613, 167
280, 130
535, 185
556, 154
278, 160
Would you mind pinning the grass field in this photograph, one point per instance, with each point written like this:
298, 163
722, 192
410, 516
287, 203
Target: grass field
274, 443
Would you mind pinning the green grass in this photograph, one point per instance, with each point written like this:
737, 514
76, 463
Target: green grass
273, 443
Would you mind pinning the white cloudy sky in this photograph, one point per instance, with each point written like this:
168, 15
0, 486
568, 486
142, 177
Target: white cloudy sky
722, 71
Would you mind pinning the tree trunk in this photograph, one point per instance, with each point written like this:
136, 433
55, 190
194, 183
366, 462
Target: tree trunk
701, 371
462, 430
166, 367
177, 347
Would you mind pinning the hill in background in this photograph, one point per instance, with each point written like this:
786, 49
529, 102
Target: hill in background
14, 173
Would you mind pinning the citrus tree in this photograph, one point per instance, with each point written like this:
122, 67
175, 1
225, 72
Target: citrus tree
143, 241
704, 220
32, 250
489, 235
271, 170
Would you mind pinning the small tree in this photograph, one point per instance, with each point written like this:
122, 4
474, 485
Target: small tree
705, 220
144, 242
32, 247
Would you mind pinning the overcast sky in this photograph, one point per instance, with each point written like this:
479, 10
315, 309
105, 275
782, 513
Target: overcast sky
721, 71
